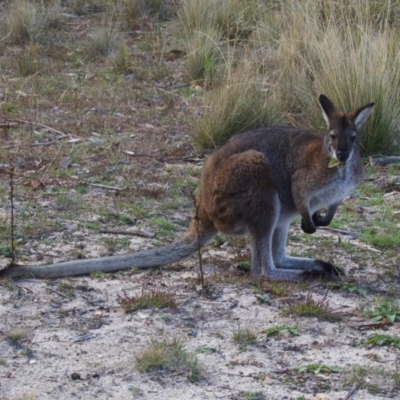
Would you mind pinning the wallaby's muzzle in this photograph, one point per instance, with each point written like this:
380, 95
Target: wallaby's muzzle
343, 155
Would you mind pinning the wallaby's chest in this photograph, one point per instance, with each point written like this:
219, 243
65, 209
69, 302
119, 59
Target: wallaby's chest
333, 190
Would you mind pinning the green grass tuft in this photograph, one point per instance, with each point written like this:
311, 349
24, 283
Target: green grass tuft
169, 355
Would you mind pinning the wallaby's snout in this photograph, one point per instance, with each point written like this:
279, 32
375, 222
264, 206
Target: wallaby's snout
342, 155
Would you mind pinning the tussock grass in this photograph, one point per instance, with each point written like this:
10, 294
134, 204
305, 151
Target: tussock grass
236, 19
16, 335
149, 298
169, 355
27, 22
321, 51
121, 60
244, 335
309, 307
348, 51
102, 41
204, 54
241, 103
30, 61
20, 22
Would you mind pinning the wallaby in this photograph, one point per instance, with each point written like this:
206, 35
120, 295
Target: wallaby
256, 184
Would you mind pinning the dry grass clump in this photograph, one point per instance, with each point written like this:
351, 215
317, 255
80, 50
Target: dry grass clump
347, 51
29, 62
131, 14
27, 22
203, 57
241, 103
149, 298
235, 19
308, 307
102, 41
169, 355
20, 22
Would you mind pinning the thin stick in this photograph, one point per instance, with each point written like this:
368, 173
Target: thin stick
196, 218
106, 187
351, 392
12, 248
55, 291
36, 124
141, 234
25, 288
341, 231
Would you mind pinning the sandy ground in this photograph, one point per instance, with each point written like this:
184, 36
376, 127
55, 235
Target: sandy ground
81, 344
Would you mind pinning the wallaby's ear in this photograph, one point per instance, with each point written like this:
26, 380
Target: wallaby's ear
361, 115
328, 109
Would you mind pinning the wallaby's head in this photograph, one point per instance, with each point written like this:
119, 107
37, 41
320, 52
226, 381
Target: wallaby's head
343, 139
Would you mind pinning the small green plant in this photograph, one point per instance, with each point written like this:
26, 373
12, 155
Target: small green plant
27, 352
244, 335
205, 350
3, 362
254, 396
385, 237
281, 330
149, 298
16, 335
357, 375
167, 227
66, 288
263, 298
384, 308
312, 308
169, 355
92, 225
348, 287
274, 287
81, 189
98, 275
351, 288
382, 340
396, 375
318, 369
121, 61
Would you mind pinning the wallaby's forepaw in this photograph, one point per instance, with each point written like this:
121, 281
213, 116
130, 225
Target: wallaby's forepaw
308, 228
319, 219
328, 271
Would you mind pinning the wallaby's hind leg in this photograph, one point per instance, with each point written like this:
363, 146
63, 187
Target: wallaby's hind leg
282, 261
245, 200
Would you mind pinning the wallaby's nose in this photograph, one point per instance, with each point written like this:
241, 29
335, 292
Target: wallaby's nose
342, 155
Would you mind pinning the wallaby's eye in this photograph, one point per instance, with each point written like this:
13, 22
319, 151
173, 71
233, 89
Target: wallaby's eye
352, 138
333, 136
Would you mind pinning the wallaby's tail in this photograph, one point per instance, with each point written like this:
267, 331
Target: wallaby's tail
174, 252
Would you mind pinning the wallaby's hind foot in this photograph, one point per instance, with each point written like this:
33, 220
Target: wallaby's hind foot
329, 272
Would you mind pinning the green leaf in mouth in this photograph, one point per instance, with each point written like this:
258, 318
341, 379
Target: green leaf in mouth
334, 162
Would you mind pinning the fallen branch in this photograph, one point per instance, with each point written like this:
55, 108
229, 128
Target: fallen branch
341, 231
86, 336
140, 234
56, 292
22, 121
118, 189
374, 325
382, 161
